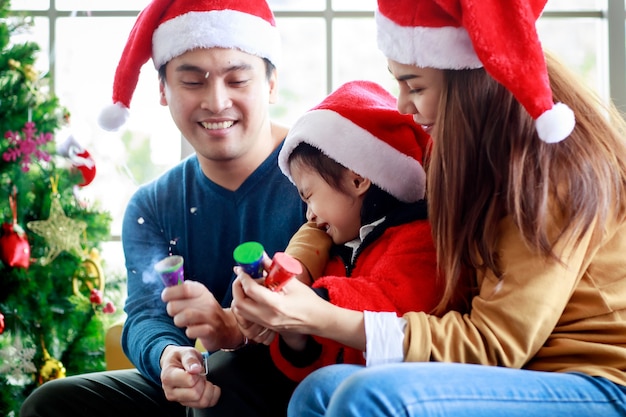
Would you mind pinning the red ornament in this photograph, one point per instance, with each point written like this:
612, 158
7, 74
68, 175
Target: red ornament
81, 159
86, 165
14, 246
96, 296
109, 308
1, 323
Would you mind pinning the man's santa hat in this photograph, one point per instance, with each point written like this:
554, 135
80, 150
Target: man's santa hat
462, 34
359, 126
166, 29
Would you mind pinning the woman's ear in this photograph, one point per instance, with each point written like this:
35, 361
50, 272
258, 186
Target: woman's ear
359, 183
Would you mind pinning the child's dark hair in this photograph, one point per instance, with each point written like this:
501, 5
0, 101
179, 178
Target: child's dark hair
377, 202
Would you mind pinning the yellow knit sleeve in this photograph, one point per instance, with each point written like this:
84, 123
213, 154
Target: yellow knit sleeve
310, 246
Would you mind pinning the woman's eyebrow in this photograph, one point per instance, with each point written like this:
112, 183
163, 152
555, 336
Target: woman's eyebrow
407, 77
404, 77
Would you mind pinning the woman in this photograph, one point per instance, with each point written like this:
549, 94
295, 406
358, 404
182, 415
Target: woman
530, 205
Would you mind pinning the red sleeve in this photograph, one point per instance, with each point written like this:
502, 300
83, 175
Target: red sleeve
397, 272
332, 353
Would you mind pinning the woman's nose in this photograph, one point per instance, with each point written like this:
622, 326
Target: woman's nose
405, 105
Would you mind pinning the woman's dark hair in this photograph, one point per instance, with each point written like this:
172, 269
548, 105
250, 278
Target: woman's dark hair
377, 202
488, 164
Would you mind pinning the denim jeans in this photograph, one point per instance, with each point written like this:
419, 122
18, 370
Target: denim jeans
451, 389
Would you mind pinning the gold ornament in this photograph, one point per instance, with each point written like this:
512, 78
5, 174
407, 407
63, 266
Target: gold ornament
61, 232
89, 275
51, 369
30, 73
14, 64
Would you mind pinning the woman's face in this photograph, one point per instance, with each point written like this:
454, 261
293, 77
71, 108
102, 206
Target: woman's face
420, 90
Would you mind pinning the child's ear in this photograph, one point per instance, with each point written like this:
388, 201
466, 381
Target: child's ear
360, 184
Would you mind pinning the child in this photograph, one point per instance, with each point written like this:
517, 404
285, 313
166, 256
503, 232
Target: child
357, 164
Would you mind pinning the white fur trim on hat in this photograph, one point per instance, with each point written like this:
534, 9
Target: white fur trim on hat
113, 116
555, 124
216, 28
355, 148
441, 47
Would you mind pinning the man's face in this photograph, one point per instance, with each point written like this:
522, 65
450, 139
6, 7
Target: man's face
219, 99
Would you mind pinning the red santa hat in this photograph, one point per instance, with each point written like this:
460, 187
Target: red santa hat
166, 29
461, 34
359, 126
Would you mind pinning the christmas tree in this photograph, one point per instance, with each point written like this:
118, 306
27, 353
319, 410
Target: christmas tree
53, 303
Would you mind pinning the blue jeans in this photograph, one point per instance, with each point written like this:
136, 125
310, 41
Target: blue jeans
452, 389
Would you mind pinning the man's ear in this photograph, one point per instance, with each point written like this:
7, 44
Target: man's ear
162, 99
273, 84
359, 183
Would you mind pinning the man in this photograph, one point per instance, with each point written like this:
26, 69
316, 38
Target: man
216, 62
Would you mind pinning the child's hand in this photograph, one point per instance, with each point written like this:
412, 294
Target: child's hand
295, 308
251, 330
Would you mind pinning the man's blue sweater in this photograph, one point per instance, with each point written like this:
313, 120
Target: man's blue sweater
184, 213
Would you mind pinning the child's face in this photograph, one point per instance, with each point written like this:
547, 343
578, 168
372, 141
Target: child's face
420, 91
336, 212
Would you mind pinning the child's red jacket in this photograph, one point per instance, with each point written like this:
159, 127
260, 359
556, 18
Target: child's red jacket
394, 270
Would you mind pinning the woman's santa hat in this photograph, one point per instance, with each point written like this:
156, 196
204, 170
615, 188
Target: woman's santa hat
166, 29
359, 126
462, 34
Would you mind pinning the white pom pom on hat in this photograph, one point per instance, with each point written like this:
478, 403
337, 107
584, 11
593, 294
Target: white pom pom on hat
166, 29
113, 116
460, 34
359, 126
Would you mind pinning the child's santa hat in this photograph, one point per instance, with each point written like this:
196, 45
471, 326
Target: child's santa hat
166, 29
461, 34
359, 126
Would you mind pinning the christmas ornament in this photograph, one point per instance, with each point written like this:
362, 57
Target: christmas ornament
61, 232
89, 276
109, 308
1, 323
27, 70
27, 147
80, 158
14, 246
51, 369
16, 362
96, 297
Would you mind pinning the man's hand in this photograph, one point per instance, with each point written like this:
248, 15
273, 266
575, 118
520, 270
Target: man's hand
193, 307
184, 380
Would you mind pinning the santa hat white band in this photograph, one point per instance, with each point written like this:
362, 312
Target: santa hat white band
215, 28
353, 147
448, 47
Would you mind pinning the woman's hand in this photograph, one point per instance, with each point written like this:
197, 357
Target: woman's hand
295, 308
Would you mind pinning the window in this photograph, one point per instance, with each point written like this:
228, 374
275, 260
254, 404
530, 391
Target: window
325, 43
